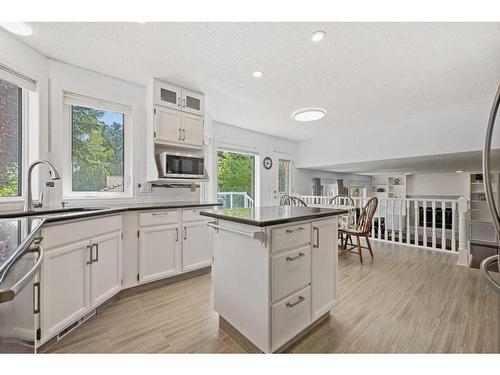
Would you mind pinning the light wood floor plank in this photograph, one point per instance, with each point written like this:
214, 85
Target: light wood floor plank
404, 301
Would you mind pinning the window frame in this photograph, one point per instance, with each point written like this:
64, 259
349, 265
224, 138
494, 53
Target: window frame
23, 154
67, 191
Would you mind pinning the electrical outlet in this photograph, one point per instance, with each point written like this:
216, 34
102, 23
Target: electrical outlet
145, 187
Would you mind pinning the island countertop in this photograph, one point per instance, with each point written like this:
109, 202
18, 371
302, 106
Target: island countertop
271, 215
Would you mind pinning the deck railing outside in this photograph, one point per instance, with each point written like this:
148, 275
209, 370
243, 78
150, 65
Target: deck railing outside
437, 224
235, 199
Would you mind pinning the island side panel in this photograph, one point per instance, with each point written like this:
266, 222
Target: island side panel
241, 283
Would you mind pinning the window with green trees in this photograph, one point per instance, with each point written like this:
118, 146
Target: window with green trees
97, 150
11, 104
235, 179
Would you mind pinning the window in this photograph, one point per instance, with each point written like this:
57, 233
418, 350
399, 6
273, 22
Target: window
357, 191
11, 120
98, 151
235, 179
284, 176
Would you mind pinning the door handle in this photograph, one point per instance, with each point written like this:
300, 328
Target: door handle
96, 245
90, 247
317, 237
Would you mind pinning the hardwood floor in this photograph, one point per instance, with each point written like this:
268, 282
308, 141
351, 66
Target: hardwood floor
404, 301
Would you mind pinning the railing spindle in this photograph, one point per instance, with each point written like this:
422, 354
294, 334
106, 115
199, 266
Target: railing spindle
443, 225
424, 212
453, 226
433, 224
408, 228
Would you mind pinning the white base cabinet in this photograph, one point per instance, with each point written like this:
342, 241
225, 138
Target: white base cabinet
159, 252
196, 246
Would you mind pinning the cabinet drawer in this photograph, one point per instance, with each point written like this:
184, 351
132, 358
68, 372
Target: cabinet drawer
291, 236
291, 271
193, 214
290, 317
158, 218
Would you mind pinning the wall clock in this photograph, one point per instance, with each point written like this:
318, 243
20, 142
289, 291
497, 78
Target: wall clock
268, 162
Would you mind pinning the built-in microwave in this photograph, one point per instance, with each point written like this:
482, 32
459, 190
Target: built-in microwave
182, 165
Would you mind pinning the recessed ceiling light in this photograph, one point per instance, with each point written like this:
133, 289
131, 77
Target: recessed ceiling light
257, 74
318, 36
309, 114
18, 28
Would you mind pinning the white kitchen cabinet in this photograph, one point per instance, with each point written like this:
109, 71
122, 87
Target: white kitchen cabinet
324, 266
192, 130
167, 125
105, 269
65, 292
196, 246
167, 95
192, 102
159, 252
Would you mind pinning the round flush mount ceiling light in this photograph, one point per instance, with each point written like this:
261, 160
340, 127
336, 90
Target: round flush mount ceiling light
309, 114
257, 74
18, 28
318, 36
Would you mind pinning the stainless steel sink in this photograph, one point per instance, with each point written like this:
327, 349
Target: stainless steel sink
69, 211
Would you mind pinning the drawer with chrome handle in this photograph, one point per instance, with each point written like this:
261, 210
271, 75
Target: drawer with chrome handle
158, 218
291, 271
290, 237
290, 317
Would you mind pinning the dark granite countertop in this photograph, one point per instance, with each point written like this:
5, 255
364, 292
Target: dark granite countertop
56, 214
271, 215
16, 235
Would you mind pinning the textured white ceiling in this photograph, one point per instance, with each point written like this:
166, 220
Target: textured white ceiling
360, 73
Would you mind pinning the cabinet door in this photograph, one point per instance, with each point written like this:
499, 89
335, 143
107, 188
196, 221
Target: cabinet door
159, 252
196, 246
192, 102
192, 128
65, 287
167, 95
167, 125
324, 266
105, 271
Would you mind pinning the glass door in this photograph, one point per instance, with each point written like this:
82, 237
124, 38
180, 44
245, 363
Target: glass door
283, 176
235, 179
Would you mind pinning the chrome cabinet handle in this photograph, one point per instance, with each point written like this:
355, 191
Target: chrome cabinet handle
183, 134
290, 305
179, 101
180, 134
317, 237
159, 213
484, 272
96, 245
291, 259
185, 233
90, 247
184, 103
176, 234
36, 297
294, 230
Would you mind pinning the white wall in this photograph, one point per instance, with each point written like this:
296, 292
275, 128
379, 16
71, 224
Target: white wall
457, 129
450, 185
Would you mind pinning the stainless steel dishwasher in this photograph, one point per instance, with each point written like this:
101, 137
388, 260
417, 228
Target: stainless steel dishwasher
21, 256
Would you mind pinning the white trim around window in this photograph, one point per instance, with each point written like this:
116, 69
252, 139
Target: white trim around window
71, 99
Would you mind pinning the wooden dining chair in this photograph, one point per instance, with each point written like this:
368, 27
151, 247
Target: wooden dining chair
362, 228
342, 200
288, 200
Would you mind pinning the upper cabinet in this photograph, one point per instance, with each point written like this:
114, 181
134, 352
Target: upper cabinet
175, 97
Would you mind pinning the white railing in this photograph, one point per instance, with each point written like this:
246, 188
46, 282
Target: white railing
235, 199
402, 220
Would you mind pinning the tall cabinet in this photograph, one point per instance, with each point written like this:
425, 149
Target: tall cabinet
175, 123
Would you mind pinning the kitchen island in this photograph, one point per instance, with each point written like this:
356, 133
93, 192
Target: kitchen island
275, 272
